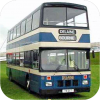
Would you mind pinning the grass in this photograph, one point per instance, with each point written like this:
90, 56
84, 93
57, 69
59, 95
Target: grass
95, 61
15, 91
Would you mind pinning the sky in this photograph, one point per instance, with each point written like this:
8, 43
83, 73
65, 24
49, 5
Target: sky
15, 10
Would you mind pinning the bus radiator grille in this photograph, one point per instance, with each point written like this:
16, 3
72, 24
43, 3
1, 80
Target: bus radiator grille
67, 83
75, 82
60, 83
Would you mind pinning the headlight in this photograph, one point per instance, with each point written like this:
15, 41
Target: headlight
85, 82
48, 83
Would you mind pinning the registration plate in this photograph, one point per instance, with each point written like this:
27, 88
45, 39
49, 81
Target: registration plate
67, 90
67, 77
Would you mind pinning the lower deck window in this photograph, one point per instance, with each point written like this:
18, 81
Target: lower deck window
22, 59
28, 59
9, 58
17, 59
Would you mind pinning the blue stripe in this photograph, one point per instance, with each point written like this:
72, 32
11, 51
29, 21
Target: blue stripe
39, 37
46, 37
43, 37
85, 38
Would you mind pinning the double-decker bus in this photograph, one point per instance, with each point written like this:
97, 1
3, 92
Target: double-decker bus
48, 51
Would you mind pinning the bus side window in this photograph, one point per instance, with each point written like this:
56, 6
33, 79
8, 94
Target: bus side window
28, 24
17, 59
14, 58
9, 58
23, 27
36, 20
35, 60
27, 59
21, 59
18, 30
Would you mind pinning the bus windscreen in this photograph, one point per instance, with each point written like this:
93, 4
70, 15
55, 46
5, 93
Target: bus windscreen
58, 60
64, 16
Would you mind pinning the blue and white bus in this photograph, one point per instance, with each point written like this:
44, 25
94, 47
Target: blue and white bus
48, 51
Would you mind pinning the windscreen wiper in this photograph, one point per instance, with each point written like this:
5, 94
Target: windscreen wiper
58, 68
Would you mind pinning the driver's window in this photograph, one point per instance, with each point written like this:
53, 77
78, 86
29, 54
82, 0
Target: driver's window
35, 57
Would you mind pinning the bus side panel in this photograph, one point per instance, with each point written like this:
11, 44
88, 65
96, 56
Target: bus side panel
22, 78
34, 83
14, 73
19, 76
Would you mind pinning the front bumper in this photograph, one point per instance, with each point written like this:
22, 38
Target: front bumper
56, 91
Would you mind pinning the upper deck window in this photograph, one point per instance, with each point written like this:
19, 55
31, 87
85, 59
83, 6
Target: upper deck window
55, 16
18, 30
62, 16
76, 17
11, 35
22, 27
36, 20
14, 34
28, 24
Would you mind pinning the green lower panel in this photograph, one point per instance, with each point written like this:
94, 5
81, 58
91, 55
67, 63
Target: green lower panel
7, 71
20, 77
17, 75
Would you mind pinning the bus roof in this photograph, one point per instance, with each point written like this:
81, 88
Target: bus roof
62, 4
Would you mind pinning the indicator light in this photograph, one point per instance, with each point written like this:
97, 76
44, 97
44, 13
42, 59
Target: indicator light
48, 77
85, 76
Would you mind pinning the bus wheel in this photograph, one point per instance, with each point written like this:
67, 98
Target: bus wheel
28, 85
